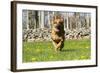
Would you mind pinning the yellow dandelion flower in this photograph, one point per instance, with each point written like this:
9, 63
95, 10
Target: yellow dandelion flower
28, 49
38, 50
51, 56
33, 59
82, 57
87, 47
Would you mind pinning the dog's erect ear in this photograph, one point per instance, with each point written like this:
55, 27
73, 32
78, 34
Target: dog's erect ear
57, 19
62, 21
53, 20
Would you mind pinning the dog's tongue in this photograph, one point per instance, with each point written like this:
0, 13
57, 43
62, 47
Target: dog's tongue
57, 30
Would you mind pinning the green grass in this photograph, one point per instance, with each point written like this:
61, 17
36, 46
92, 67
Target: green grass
44, 51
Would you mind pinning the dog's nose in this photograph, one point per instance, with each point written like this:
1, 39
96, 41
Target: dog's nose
55, 22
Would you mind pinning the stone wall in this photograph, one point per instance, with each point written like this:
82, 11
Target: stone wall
43, 34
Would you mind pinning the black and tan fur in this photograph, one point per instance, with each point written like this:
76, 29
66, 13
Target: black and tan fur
57, 33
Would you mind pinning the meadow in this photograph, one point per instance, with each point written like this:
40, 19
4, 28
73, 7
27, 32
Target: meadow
44, 51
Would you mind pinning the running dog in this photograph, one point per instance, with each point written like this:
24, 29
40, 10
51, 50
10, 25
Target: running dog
57, 32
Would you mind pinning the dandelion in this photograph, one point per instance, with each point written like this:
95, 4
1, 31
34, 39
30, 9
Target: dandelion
82, 57
51, 57
33, 59
87, 47
27, 49
38, 50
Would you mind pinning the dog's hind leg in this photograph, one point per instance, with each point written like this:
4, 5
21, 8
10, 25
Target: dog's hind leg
62, 45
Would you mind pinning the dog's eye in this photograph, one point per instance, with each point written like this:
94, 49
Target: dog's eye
55, 22
61, 22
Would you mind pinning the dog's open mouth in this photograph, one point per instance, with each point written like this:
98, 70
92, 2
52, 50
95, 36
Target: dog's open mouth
58, 27
57, 30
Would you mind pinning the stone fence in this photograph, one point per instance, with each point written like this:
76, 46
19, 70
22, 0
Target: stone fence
43, 34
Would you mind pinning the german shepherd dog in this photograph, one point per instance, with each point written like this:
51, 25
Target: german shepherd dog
57, 32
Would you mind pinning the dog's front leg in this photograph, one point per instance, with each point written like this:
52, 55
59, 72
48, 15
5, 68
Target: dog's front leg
55, 45
59, 44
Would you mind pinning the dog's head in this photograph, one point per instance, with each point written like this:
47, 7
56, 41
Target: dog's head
57, 19
57, 22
